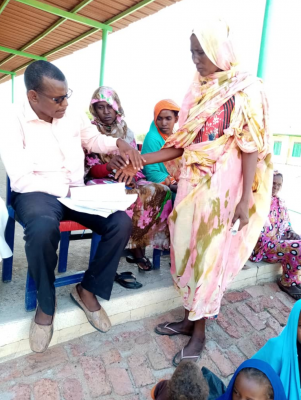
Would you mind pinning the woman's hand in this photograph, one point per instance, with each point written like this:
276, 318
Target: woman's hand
242, 213
128, 153
116, 162
167, 181
290, 235
126, 174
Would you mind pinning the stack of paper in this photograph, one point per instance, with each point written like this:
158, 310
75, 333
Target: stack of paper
100, 200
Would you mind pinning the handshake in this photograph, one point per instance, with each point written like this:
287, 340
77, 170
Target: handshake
124, 172
127, 164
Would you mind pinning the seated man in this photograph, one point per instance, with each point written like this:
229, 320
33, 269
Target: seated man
47, 140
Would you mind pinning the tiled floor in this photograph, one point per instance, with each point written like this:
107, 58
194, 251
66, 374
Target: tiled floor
127, 361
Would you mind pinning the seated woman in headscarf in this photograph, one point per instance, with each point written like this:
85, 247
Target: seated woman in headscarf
256, 380
283, 353
150, 211
165, 117
279, 243
225, 176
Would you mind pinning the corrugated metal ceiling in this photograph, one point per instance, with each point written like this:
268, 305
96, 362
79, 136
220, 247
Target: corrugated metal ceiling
20, 24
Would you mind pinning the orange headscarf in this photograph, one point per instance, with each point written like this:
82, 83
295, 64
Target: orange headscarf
164, 105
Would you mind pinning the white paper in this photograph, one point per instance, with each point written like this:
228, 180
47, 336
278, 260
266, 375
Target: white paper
120, 204
100, 200
98, 192
69, 203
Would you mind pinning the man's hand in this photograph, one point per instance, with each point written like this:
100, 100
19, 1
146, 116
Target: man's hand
290, 235
116, 162
126, 174
129, 154
241, 212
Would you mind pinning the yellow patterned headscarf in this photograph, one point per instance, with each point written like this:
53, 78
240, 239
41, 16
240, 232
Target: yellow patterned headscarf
215, 39
207, 94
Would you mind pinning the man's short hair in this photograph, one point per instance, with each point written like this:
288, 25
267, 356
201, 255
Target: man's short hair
34, 73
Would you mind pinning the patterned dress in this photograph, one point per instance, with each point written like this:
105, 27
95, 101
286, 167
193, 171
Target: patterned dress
272, 249
215, 125
149, 213
205, 257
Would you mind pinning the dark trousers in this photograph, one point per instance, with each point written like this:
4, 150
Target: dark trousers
41, 214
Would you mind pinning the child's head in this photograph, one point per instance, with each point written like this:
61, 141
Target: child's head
251, 383
188, 383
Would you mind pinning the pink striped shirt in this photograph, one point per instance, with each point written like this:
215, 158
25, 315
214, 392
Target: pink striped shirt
47, 157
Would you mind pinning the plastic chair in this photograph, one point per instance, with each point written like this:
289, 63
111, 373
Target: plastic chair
65, 228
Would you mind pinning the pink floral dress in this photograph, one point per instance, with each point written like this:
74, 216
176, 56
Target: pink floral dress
272, 249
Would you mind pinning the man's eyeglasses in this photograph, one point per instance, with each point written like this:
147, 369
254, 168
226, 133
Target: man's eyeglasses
58, 100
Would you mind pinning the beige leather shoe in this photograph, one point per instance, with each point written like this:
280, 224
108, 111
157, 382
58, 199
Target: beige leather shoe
40, 336
98, 319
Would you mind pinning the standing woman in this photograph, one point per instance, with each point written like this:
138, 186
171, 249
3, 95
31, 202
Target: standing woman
226, 175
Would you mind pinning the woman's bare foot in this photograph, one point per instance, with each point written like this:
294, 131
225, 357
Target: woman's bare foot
175, 328
142, 261
191, 351
194, 347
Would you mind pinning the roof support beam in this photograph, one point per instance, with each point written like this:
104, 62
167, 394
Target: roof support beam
65, 14
3, 71
84, 35
129, 11
3, 5
12, 88
49, 30
21, 53
103, 57
92, 31
265, 40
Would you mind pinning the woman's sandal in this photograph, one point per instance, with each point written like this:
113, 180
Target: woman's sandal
127, 280
173, 332
293, 291
142, 260
190, 358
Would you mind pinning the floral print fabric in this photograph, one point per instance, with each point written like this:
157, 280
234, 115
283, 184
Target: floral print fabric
149, 213
272, 248
205, 257
217, 123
